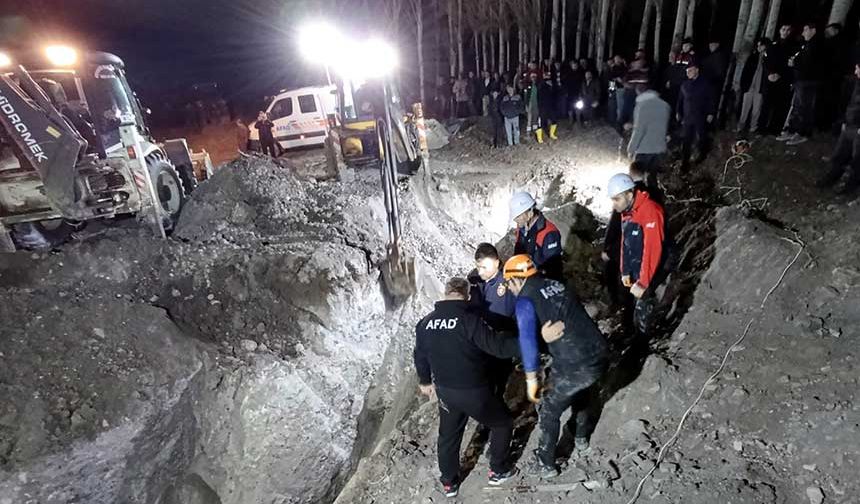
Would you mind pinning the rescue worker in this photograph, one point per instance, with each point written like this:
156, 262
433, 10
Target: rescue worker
847, 150
650, 126
806, 64
491, 299
547, 110
579, 356
694, 112
267, 139
453, 348
643, 235
537, 236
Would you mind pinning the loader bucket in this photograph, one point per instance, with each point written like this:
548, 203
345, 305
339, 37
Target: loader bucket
400, 277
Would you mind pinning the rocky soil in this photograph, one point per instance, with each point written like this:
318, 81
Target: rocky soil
254, 358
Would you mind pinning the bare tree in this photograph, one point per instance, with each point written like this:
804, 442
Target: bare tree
839, 11
460, 62
740, 29
691, 17
580, 24
601, 33
592, 33
750, 34
646, 23
553, 41
772, 19
564, 30
452, 48
416, 8
501, 23
658, 29
680, 23
617, 9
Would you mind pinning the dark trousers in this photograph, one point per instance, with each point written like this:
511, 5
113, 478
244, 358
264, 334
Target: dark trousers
801, 118
652, 164
455, 408
498, 131
693, 131
777, 101
576, 390
268, 147
846, 154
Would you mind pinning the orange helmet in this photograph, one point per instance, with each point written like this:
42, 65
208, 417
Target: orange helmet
519, 266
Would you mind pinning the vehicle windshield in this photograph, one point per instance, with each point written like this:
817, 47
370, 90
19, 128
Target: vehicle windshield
108, 101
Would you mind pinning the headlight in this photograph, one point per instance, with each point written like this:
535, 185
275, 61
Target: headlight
61, 55
5, 60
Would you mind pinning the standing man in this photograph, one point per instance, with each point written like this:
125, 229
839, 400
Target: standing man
536, 236
650, 126
531, 98
546, 108
497, 118
642, 238
777, 99
578, 358
694, 112
267, 139
453, 352
511, 107
752, 86
461, 96
847, 151
590, 99
807, 72
573, 84
714, 68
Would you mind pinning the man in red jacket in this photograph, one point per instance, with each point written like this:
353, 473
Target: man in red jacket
642, 237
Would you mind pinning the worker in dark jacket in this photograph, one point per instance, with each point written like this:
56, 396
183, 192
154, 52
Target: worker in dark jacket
511, 106
694, 112
497, 118
643, 234
714, 68
453, 358
579, 356
453, 352
752, 87
573, 80
267, 139
806, 64
777, 96
537, 236
847, 151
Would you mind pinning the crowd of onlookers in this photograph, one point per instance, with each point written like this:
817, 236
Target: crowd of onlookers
787, 88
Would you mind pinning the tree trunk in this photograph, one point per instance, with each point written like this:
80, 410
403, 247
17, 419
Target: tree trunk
601, 33
460, 63
840, 11
740, 29
452, 48
646, 24
502, 67
592, 33
419, 25
613, 25
680, 24
493, 61
477, 53
691, 18
712, 25
553, 41
485, 50
507, 51
750, 34
536, 48
658, 29
437, 37
772, 19
524, 49
564, 30
580, 22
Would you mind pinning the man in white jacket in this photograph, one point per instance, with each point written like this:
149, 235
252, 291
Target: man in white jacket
650, 124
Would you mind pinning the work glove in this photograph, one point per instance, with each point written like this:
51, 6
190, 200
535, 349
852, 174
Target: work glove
627, 281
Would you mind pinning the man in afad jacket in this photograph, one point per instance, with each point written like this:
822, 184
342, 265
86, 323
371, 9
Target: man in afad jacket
537, 236
579, 355
642, 237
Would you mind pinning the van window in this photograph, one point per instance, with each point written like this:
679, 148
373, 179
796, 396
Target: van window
307, 104
281, 108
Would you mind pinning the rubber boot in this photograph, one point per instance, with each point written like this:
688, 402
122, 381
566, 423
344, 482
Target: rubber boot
552, 130
539, 133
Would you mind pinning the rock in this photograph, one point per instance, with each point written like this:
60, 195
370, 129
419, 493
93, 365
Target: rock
815, 495
632, 429
248, 345
810, 467
738, 446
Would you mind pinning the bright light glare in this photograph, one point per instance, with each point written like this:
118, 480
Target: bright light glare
580, 105
381, 58
320, 42
61, 55
5, 60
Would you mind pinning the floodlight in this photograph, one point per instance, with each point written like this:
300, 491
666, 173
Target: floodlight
61, 55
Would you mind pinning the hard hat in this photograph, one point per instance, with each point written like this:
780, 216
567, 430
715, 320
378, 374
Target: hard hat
521, 202
619, 183
519, 266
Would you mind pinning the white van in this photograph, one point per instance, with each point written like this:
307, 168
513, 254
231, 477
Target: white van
300, 117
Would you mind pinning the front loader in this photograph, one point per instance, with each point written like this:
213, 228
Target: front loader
74, 147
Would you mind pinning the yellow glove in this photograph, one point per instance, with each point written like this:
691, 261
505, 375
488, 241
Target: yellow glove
533, 389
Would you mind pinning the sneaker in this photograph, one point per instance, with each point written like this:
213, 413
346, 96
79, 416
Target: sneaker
541, 470
784, 136
496, 479
581, 445
450, 489
797, 140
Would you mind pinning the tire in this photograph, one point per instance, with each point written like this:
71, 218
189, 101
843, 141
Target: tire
189, 180
169, 190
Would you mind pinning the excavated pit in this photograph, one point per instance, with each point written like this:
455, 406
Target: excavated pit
253, 357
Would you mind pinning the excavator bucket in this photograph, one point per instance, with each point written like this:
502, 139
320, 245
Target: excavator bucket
400, 277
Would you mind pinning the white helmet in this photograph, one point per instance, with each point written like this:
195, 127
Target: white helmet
521, 201
619, 183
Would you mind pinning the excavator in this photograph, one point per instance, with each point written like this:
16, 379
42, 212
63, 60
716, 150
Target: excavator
74, 147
